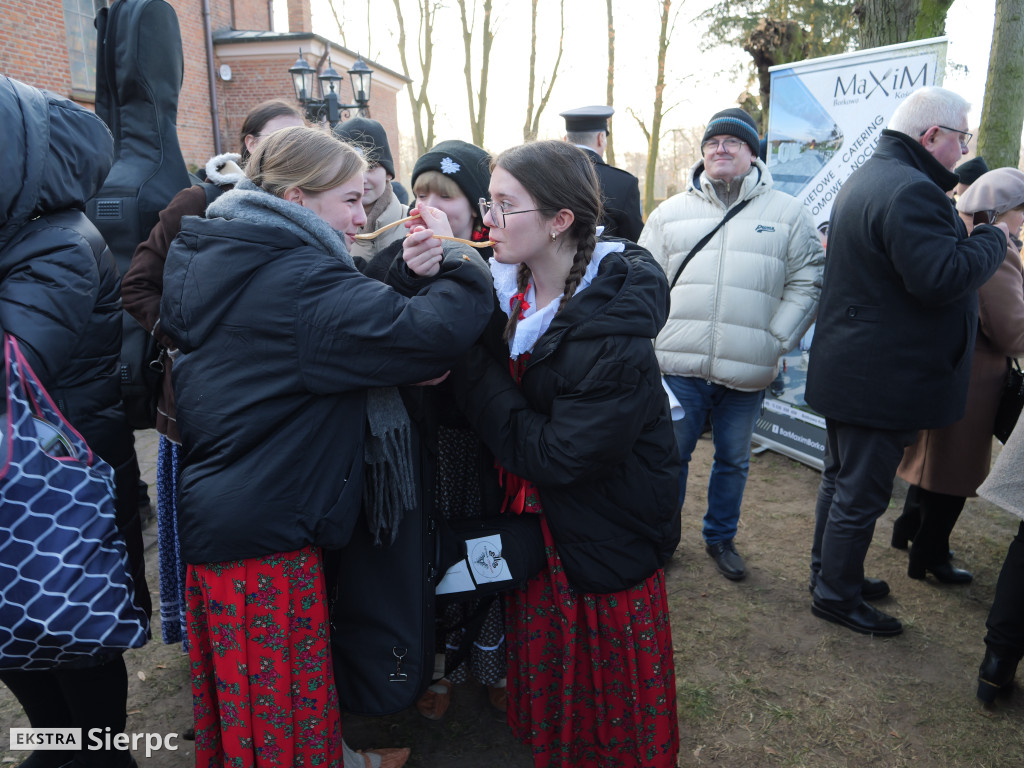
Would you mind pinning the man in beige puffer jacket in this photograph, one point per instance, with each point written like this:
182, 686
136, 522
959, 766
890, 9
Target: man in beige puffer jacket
742, 301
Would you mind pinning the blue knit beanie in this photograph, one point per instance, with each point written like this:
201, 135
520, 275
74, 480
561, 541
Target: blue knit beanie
734, 122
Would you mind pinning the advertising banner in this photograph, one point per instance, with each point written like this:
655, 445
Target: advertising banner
825, 118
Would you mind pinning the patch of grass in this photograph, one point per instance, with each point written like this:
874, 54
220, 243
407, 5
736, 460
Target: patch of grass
695, 702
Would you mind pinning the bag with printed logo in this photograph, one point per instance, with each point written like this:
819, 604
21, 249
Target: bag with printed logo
65, 588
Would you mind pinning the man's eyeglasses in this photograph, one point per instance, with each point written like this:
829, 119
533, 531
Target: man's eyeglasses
731, 144
965, 137
498, 213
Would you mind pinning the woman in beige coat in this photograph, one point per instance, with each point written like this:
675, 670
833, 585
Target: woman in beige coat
945, 466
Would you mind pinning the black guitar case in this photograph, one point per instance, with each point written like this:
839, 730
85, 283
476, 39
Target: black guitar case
139, 71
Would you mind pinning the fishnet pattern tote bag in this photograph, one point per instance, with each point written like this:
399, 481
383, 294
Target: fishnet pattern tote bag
65, 589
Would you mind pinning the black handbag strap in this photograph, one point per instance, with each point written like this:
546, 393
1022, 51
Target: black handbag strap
707, 238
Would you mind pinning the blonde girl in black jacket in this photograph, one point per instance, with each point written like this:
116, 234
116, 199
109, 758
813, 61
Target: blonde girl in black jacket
284, 348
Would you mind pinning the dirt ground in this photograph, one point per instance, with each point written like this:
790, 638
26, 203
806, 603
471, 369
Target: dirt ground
761, 682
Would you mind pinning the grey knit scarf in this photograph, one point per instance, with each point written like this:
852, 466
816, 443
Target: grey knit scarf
389, 489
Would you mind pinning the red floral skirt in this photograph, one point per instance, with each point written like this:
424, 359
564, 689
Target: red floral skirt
262, 683
591, 679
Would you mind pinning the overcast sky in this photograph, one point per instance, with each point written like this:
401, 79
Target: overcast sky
699, 83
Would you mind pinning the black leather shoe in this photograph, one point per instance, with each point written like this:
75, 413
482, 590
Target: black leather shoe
729, 563
874, 589
943, 572
864, 618
995, 677
870, 589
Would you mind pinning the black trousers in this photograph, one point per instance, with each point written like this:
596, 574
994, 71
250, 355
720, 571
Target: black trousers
93, 697
1006, 617
856, 484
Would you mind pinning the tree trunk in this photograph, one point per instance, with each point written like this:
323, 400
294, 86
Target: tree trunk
771, 42
422, 110
533, 73
337, 20
1002, 115
477, 97
659, 90
532, 125
609, 150
886, 22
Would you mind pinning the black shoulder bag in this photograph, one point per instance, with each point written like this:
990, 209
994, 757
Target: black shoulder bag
1011, 402
707, 239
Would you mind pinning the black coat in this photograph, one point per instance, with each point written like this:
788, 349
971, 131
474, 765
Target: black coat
60, 292
623, 216
280, 342
899, 304
590, 425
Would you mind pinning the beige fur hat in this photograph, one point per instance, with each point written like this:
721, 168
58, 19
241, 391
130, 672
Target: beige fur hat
997, 191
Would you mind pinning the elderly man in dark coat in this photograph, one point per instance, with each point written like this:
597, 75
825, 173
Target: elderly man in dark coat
895, 333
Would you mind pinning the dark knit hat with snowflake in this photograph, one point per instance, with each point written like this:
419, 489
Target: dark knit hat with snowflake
465, 164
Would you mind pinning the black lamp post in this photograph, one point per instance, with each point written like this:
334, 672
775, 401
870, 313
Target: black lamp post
327, 106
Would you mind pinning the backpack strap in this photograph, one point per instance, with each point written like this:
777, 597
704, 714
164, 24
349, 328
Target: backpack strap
706, 239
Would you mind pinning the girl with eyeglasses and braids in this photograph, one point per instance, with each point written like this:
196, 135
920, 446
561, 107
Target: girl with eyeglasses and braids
565, 390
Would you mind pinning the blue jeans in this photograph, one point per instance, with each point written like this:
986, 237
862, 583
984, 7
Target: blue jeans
733, 415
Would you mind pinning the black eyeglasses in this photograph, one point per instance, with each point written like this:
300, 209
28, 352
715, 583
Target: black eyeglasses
498, 213
730, 144
963, 142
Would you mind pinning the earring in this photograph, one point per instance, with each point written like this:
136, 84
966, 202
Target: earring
553, 237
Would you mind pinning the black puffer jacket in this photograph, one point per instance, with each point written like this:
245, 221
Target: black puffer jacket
590, 425
280, 342
59, 285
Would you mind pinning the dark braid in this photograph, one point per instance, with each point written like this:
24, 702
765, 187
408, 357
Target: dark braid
584, 252
557, 175
522, 283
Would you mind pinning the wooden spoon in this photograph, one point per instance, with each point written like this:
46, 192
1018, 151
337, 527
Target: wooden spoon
481, 244
385, 228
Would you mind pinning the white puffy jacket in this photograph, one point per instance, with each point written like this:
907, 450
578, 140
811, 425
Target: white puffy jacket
749, 295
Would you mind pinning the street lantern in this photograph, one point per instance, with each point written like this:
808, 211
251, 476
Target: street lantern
328, 79
302, 79
361, 77
327, 107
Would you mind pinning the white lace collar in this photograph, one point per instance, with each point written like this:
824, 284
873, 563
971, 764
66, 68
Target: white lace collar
536, 321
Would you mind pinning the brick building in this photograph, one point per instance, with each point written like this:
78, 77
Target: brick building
52, 44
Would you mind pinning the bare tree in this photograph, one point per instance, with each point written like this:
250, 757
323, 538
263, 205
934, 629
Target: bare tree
1002, 115
885, 22
371, 22
609, 149
422, 110
337, 20
532, 125
477, 99
779, 32
653, 134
